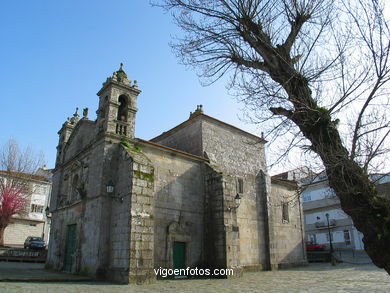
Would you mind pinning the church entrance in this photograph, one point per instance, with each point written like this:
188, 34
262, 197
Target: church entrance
179, 255
70, 247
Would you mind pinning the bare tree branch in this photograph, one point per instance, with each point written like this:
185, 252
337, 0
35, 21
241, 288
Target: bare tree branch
309, 69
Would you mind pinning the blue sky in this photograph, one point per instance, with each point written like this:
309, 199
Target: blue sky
54, 56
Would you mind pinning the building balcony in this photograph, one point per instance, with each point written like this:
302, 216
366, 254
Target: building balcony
324, 225
321, 203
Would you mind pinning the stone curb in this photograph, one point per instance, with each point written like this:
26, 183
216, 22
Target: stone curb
48, 280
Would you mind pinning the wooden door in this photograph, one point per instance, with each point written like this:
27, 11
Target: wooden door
179, 255
70, 247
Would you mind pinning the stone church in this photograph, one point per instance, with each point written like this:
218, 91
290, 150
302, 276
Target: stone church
197, 195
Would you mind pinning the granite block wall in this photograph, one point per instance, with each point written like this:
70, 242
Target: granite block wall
286, 236
178, 206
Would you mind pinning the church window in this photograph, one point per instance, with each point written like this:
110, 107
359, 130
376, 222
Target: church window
240, 185
122, 110
285, 217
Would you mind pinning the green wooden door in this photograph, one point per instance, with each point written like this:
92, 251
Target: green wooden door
179, 255
70, 247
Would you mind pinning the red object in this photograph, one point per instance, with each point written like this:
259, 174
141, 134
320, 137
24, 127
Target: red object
12, 201
310, 246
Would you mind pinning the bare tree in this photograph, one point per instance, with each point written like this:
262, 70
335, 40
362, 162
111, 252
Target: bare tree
17, 168
316, 72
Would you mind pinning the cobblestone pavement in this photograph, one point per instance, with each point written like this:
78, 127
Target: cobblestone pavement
313, 278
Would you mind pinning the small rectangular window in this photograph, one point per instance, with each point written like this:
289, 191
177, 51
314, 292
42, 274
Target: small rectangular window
36, 208
240, 185
285, 216
347, 237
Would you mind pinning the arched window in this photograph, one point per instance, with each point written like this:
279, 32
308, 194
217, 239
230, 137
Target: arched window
122, 110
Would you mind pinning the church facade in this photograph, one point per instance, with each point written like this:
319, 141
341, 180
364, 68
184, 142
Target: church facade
196, 196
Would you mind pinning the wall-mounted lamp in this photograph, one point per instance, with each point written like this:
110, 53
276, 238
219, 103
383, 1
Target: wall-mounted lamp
110, 187
236, 204
47, 212
237, 199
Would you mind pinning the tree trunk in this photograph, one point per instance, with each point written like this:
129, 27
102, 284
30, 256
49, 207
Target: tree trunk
357, 193
2, 229
4, 221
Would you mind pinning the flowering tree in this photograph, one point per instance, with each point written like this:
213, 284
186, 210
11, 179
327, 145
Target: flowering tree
12, 201
17, 168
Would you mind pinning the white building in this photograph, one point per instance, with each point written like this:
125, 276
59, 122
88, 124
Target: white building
34, 222
319, 200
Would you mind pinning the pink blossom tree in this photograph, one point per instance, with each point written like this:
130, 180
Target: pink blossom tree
13, 201
17, 168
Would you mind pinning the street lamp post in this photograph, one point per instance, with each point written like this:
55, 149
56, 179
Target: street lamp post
330, 236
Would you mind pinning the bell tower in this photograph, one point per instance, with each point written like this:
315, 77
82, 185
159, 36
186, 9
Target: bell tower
118, 105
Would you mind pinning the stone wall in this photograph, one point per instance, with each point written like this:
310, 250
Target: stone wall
239, 156
58, 236
232, 149
215, 235
187, 137
19, 229
82, 135
239, 234
88, 210
287, 237
141, 241
178, 206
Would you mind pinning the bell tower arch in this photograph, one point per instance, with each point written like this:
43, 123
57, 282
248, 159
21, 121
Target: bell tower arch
118, 105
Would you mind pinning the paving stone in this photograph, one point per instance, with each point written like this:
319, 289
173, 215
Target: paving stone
316, 278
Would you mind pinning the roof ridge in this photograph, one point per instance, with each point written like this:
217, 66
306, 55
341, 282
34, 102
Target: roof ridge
193, 117
171, 149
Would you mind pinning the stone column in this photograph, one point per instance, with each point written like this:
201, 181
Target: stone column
141, 263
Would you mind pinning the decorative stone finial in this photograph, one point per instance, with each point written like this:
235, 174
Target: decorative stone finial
120, 76
75, 113
199, 110
85, 113
75, 117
